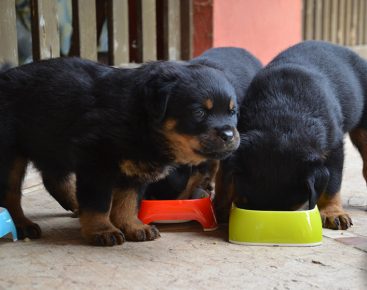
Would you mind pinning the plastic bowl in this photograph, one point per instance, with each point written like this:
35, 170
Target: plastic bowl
200, 210
275, 228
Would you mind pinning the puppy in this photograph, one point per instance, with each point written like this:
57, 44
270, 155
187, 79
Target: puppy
185, 181
293, 120
104, 133
239, 67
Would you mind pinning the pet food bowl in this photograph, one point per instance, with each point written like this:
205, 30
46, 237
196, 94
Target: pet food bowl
200, 210
6, 224
275, 228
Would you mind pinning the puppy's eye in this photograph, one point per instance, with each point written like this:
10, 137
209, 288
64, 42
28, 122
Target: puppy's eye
232, 112
199, 114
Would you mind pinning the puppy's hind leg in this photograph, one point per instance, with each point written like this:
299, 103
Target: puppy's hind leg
11, 178
330, 204
359, 139
62, 187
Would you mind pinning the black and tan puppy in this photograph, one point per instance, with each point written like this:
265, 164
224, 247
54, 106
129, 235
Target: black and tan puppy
293, 121
184, 181
239, 67
109, 132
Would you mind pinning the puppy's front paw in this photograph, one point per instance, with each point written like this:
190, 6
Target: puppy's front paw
332, 213
98, 230
106, 239
339, 220
28, 230
139, 232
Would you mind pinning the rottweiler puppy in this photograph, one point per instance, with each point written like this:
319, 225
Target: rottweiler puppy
184, 181
293, 121
239, 67
104, 133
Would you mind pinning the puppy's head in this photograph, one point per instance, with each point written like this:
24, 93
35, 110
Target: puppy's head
271, 176
195, 109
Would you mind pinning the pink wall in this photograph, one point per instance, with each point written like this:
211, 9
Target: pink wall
264, 27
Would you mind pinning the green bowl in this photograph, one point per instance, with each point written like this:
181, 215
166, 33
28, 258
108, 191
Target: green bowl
275, 228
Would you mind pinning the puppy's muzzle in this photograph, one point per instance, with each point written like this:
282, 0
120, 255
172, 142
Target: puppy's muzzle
226, 133
219, 143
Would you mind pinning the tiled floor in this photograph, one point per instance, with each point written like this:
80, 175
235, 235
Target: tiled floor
185, 257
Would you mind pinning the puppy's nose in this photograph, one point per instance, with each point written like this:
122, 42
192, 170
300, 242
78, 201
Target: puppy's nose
226, 134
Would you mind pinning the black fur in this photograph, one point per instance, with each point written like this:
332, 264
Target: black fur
293, 120
239, 67
69, 115
171, 186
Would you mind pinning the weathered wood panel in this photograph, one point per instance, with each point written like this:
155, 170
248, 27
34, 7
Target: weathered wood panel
148, 30
45, 32
354, 22
334, 21
318, 20
348, 22
338, 21
326, 20
118, 32
308, 19
139, 46
8, 33
85, 29
172, 31
364, 33
341, 22
361, 21
186, 29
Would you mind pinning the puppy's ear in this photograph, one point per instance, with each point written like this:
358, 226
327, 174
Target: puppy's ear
154, 87
317, 181
156, 99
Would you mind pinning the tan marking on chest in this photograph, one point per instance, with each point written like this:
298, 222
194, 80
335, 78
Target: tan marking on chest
144, 171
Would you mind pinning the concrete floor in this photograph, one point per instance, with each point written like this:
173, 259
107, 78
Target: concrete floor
185, 257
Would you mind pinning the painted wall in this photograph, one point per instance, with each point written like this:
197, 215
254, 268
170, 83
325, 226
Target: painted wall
264, 27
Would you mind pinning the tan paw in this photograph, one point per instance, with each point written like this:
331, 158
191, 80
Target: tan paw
98, 230
336, 220
141, 232
106, 239
332, 213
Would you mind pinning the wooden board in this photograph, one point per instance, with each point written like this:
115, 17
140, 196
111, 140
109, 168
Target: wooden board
118, 32
8, 32
85, 28
45, 33
149, 30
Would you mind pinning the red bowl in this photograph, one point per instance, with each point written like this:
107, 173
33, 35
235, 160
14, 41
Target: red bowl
200, 210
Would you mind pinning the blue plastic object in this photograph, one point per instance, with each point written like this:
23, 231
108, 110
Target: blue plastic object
6, 224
